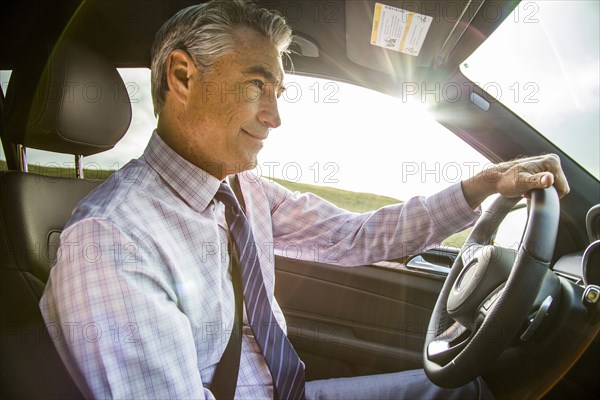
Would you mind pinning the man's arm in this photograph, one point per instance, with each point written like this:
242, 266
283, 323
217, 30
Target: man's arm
113, 316
516, 178
310, 228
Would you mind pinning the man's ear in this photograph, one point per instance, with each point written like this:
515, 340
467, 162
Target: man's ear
180, 68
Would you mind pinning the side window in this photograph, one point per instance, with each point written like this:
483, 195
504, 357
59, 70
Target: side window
511, 230
4, 78
362, 149
358, 148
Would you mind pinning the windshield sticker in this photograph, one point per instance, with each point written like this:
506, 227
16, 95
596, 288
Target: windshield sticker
399, 30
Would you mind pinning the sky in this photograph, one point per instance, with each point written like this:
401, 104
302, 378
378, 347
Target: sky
339, 135
553, 78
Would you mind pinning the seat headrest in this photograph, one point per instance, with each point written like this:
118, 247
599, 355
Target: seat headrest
78, 106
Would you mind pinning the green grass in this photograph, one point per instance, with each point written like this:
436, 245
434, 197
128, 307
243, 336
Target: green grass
458, 239
362, 202
352, 201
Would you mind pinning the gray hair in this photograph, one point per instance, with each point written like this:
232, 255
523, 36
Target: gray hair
205, 32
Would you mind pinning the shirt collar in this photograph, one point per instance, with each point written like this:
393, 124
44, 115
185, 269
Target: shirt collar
196, 186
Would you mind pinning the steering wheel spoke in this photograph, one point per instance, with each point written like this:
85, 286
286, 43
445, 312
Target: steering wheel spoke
448, 344
471, 253
487, 305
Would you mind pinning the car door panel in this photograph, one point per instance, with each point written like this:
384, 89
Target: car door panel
347, 321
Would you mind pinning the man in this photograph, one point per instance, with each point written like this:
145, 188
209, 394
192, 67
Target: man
158, 288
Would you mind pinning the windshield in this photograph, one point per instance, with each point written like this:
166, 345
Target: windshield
543, 63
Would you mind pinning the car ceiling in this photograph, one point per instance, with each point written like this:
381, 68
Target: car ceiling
340, 31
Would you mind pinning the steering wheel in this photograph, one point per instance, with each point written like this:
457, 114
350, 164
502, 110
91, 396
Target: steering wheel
489, 292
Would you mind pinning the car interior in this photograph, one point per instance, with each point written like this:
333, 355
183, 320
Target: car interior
531, 326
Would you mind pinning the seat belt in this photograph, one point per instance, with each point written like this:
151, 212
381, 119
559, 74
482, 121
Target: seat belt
225, 377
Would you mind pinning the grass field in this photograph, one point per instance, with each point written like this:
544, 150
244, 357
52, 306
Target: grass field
352, 201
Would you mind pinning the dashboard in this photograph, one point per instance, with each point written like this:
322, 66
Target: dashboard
583, 267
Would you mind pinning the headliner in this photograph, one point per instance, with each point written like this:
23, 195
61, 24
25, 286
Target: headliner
124, 30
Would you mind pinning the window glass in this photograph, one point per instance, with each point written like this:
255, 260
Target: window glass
348, 137
357, 140
511, 229
4, 78
550, 74
356, 147
333, 135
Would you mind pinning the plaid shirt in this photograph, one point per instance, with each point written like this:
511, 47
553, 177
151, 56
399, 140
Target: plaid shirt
140, 301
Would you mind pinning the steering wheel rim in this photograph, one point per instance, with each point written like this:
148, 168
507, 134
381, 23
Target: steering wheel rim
465, 354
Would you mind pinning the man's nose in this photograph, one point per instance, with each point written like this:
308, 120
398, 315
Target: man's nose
269, 113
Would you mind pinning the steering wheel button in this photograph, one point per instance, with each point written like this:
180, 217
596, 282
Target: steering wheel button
591, 294
487, 304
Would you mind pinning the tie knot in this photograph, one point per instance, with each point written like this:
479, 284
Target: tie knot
225, 194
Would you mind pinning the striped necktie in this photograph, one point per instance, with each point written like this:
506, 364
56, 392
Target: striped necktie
286, 368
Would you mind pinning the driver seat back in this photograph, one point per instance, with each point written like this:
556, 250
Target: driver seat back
52, 113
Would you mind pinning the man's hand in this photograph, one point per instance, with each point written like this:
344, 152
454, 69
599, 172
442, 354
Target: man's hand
516, 178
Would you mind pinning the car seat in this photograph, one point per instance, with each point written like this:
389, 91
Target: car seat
74, 105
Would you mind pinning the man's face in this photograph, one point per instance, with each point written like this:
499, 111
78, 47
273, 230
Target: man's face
233, 107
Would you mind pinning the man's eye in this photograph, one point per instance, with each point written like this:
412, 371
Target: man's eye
258, 83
